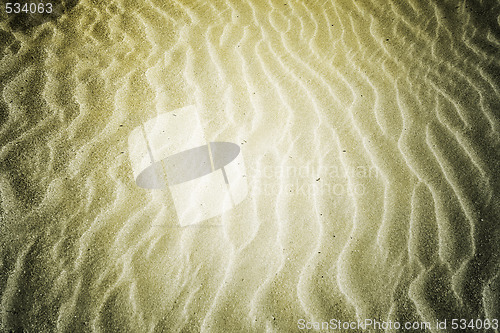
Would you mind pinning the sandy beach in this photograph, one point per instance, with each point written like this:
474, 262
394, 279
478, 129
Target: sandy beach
368, 135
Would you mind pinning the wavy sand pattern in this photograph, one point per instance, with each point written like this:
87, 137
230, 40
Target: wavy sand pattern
370, 133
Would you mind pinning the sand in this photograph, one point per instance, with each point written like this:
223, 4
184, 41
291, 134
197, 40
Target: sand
369, 132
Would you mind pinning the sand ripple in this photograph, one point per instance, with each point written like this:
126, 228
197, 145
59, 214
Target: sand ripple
370, 132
